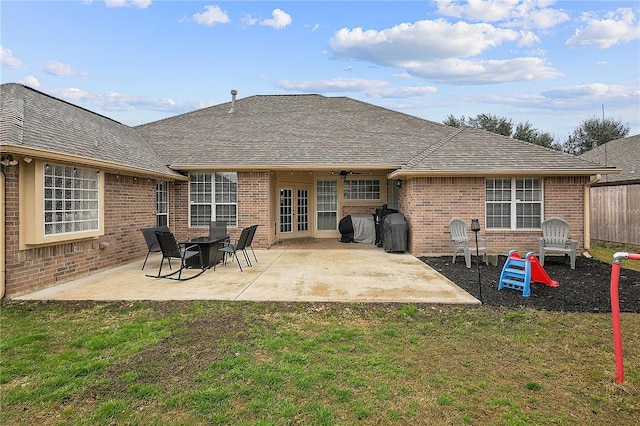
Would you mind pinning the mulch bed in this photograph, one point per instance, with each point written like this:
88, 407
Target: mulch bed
584, 289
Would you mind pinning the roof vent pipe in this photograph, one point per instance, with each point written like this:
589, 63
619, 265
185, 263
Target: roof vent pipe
233, 101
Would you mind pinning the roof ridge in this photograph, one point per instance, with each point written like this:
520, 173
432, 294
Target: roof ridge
432, 148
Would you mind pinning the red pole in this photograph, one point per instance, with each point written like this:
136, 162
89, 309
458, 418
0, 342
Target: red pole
615, 311
615, 316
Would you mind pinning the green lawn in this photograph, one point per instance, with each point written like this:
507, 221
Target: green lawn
604, 251
192, 363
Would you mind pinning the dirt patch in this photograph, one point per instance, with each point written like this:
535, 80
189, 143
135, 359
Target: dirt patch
177, 360
584, 289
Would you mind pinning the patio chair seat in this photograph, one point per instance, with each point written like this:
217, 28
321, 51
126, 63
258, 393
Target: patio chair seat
149, 235
240, 246
171, 249
555, 239
458, 230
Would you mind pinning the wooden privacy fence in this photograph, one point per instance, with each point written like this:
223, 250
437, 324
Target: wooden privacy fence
615, 213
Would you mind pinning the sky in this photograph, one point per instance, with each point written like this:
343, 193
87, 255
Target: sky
551, 63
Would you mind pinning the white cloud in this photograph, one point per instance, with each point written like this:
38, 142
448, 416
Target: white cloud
140, 4
30, 81
421, 41
280, 19
595, 91
211, 16
511, 13
59, 68
113, 101
371, 88
460, 71
248, 20
441, 51
617, 27
8, 60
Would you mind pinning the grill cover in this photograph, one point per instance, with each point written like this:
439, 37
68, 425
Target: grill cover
394, 233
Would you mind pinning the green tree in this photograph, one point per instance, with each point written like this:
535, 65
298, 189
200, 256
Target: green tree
526, 132
593, 132
503, 126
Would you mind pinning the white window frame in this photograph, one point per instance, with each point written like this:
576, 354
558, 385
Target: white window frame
329, 201
162, 203
218, 192
515, 202
361, 189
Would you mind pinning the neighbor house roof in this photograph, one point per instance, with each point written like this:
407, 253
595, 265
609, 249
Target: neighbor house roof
35, 124
622, 153
298, 131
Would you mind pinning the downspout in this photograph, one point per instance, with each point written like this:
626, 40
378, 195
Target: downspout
587, 211
3, 261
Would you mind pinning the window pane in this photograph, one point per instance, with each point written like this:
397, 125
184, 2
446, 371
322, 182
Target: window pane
64, 210
327, 202
361, 189
327, 221
213, 196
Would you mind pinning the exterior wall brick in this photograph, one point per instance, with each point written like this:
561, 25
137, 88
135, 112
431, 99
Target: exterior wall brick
129, 204
429, 203
253, 209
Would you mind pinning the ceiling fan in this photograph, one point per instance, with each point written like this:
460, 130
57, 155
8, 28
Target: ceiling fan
344, 173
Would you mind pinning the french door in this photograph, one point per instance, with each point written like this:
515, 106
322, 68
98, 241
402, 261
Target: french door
294, 212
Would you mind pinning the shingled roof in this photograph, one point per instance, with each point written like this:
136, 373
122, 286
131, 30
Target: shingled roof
316, 131
622, 153
478, 152
292, 131
271, 132
36, 123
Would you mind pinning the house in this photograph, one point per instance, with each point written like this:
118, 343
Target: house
615, 198
78, 186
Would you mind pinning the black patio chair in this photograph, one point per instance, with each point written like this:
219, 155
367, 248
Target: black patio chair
254, 228
233, 249
218, 230
149, 235
171, 249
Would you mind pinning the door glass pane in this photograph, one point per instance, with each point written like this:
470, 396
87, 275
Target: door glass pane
286, 210
303, 210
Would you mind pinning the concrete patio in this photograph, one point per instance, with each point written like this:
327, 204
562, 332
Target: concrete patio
290, 272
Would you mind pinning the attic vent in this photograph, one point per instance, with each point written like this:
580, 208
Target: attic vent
233, 101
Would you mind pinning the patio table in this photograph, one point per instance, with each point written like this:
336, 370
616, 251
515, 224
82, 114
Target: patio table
208, 249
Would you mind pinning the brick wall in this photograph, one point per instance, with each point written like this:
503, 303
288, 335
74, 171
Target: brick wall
429, 203
253, 208
129, 205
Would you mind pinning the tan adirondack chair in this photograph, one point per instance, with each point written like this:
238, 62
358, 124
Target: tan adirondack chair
555, 239
458, 230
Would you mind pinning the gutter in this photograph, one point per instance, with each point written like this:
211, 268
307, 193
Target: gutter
408, 173
107, 166
587, 210
3, 260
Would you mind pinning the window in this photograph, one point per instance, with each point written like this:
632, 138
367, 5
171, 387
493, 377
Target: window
513, 203
71, 199
162, 204
361, 189
59, 203
327, 204
213, 197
